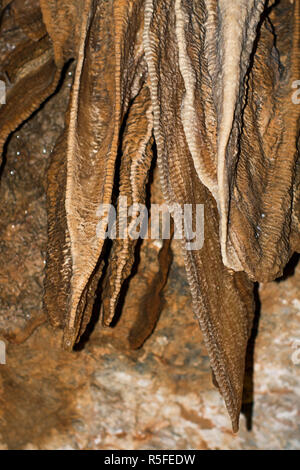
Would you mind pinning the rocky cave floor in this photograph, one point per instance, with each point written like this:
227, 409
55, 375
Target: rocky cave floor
105, 395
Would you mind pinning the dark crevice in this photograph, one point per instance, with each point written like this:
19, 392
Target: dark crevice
289, 269
248, 390
79, 346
